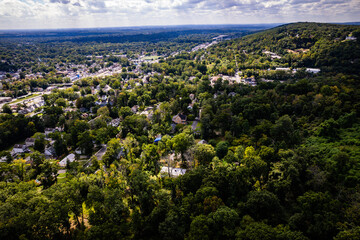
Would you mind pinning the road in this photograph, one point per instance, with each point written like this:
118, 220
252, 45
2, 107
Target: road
99, 154
194, 124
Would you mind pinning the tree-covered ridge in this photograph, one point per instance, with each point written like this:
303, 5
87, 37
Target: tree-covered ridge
299, 45
278, 160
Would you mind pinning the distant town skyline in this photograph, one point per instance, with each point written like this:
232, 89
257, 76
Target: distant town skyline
46, 14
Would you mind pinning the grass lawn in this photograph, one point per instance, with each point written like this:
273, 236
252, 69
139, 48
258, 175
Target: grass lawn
26, 98
151, 57
61, 178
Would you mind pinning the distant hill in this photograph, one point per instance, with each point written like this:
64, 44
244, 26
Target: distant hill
349, 23
128, 34
331, 47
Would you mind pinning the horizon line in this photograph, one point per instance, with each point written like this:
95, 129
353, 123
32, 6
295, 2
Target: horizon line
175, 25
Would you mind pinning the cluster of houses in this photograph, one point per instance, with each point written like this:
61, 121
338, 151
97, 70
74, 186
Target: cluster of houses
28, 107
271, 54
294, 70
49, 152
233, 79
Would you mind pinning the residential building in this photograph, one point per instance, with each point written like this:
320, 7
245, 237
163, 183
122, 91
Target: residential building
202, 142
50, 152
179, 119
313, 70
135, 108
173, 172
30, 142
20, 148
49, 130
69, 158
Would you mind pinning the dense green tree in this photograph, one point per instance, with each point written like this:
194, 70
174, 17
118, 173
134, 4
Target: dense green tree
204, 153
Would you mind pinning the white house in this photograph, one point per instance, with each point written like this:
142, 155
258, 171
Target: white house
135, 108
282, 69
202, 142
69, 158
20, 148
50, 152
174, 172
3, 159
313, 70
49, 130
350, 38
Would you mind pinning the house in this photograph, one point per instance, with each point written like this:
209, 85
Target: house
190, 106
179, 119
106, 88
282, 69
49, 130
20, 148
14, 107
313, 70
38, 89
30, 109
69, 158
115, 122
104, 97
101, 103
202, 142
23, 111
148, 114
3, 159
59, 129
173, 172
50, 152
30, 142
78, 151
232, 94
135, 108
350, 38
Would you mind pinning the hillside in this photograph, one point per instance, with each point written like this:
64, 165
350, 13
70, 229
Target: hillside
299, 45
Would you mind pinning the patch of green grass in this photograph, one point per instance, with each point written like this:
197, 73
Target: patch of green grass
62, 175
26, 98
151, 57
61, 178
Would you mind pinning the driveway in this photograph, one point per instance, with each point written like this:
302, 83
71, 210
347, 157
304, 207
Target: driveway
194, 124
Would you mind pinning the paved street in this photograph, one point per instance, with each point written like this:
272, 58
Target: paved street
194, 124
101, 152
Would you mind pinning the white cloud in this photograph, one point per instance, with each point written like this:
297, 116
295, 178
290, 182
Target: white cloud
97, 13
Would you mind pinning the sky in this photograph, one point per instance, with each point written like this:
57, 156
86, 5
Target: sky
45, 14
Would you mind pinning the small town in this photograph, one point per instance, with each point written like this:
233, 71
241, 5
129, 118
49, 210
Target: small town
179, 120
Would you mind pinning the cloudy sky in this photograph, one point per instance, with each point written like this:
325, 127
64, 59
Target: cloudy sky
31, 14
